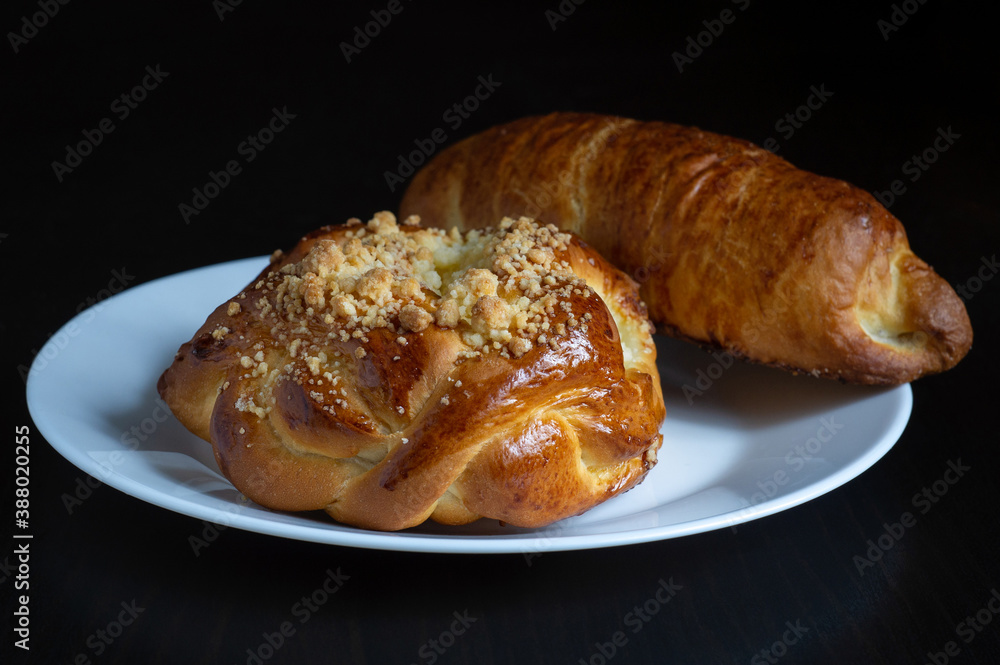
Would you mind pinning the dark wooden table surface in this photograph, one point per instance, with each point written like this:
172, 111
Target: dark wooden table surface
113, 579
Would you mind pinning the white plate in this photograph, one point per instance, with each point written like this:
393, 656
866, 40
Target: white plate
755, 442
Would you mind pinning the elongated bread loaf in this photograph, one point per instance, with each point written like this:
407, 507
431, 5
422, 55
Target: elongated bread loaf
734, 247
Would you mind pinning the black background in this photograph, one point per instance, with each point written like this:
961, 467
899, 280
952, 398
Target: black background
118, 210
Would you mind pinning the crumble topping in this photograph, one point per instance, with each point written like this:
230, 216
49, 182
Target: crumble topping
500, 289
497, 287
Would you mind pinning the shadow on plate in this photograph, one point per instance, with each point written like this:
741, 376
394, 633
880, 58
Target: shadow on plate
699, 385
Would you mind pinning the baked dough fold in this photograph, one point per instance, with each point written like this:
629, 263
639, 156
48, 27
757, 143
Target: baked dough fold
390, 374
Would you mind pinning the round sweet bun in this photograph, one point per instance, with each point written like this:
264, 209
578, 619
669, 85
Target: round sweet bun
389, 374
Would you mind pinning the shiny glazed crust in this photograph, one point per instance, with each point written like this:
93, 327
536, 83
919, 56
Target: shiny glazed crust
734, 247
383, 416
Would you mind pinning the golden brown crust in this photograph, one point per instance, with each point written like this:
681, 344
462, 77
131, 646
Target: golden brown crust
735, 247
328, 384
